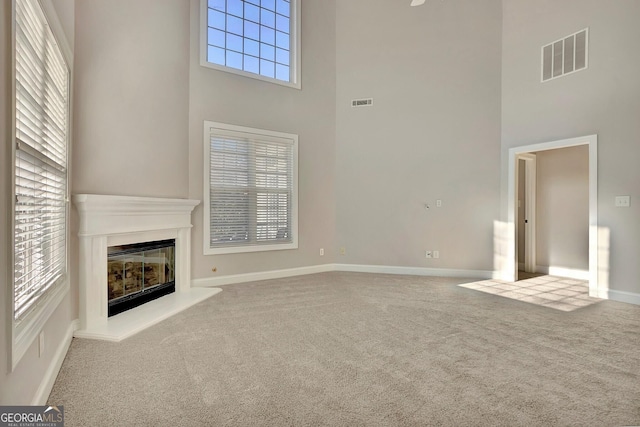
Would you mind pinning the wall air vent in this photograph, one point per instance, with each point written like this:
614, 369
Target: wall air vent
565, 56
365, 102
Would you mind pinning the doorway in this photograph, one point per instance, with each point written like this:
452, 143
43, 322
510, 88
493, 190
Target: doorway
526, 223
523, 154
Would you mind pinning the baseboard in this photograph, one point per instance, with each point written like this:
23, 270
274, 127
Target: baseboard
620, 296
42, 394
261, 275
359, 268
415, 271
569, 273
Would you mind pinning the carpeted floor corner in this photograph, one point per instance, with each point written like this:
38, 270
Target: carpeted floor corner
352, 349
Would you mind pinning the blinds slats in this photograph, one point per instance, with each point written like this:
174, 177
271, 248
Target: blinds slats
42, 120
251, 185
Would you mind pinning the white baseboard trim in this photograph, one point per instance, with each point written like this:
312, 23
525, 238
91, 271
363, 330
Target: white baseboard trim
415, 271
569, 273
620, 296
323, 268
260, 275
42, 394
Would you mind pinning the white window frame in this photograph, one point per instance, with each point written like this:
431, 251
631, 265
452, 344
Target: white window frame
242, 132
25, 330
295, 49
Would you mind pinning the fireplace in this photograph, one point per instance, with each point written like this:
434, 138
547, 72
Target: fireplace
139, 273
133, 249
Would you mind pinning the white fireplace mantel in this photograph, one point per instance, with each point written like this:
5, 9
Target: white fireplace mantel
120, 220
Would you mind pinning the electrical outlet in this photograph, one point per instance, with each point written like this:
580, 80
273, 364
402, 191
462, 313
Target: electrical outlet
428, 254
321, 251
623, 201
343, 251
438, 203
436, 254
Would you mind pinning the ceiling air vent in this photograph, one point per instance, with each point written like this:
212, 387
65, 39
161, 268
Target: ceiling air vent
365, 102
565, 56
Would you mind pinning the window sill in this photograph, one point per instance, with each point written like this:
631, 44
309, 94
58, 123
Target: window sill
207, 64
245, 249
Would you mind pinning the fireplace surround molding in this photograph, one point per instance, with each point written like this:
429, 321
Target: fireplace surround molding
107, 220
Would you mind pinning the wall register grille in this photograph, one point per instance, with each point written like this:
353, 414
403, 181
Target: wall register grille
565, 56
366, 102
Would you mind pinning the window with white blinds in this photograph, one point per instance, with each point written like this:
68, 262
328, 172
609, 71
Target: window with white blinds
40, 161
250, 189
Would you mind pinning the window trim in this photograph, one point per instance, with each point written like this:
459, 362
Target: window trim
27, 329
295, 49
265, 134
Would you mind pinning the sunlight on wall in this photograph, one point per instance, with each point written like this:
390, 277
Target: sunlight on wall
599, 284
504, 256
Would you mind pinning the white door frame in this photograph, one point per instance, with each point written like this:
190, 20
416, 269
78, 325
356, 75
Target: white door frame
510, 269
530, 210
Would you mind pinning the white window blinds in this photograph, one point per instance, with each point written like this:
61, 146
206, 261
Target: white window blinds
41, 131
251, 183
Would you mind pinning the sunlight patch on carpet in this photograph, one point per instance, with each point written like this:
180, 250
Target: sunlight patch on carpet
554, 292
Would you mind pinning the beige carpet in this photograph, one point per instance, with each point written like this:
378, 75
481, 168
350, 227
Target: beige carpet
350, 349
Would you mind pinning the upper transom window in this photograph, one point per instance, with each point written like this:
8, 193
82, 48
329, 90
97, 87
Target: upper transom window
255, 38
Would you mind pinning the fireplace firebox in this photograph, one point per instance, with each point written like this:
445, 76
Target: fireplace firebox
139, 273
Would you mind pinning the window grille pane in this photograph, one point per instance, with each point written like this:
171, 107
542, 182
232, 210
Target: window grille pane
268, 4
251, 13
216, 37
40, 213
267, 51
267, 68
216, 55
235, 7
251, 47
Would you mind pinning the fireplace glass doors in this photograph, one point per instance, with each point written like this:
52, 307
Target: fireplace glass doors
139, 273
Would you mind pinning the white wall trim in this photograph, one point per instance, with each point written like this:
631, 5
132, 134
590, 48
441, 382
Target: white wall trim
261, 275
49, 378
415, 271
620, 296
508, 271
323, 268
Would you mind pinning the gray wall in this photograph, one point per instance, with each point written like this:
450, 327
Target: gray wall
131, 98
562, 208
603, 100
433, 132
21, 385
310, 113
